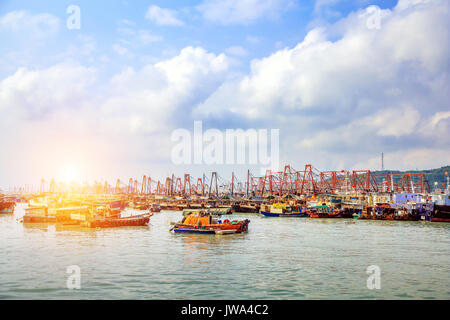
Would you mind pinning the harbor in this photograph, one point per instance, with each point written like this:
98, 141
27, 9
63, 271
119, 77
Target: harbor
308, 193
287, 235
278, 258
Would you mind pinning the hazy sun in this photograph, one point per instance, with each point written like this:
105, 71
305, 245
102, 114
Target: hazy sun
69, 173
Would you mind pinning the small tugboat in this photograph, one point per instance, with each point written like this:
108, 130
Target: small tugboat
282, 210
202, 222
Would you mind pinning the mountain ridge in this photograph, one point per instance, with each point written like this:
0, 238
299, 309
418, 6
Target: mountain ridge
432, 175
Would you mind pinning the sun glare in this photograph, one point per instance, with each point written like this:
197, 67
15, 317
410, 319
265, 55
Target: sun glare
69, 173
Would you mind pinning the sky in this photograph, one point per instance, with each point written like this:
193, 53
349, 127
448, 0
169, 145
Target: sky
342, 80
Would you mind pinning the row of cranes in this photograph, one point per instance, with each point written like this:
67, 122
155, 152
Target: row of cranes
186, 186
312, 181
289, 181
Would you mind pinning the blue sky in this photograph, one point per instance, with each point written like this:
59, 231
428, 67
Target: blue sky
103, 21
107, 97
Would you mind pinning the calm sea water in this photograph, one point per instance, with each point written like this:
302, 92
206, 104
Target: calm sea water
279, 258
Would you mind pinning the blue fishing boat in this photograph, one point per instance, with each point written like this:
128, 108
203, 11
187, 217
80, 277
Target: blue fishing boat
293, 214
194, 230
282, 210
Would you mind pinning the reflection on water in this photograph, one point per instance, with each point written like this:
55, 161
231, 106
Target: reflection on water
279, 258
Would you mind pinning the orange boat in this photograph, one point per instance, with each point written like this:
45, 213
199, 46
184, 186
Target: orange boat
203, 222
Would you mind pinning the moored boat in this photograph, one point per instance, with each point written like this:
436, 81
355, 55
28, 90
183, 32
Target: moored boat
155, 207
38, 215
212, 211
398, 212
282, 210
202, 222
325, 211
246, 207
441, 213
133, 221
117, 206
6, 205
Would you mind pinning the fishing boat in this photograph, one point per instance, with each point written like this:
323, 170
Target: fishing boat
133, 221
212, 211
282, 210
441, 213
39, 214
71, 215
155, 207
7, 207
117, 206
325, 211
424, 211
202, 222
246, 207
392, 211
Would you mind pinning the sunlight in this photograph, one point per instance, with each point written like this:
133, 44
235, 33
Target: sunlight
69, 173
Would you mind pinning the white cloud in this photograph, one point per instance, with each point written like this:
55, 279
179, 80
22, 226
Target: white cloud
331, 97
120, 50
160, 93
163, 17
325, 8
33, 94
132, 37
241, 11
439, 117
395, 122
126, 22
67, 111
83, 46
342, 96
405, 4
37, 25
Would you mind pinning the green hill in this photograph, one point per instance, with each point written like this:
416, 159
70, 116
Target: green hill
432, 175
